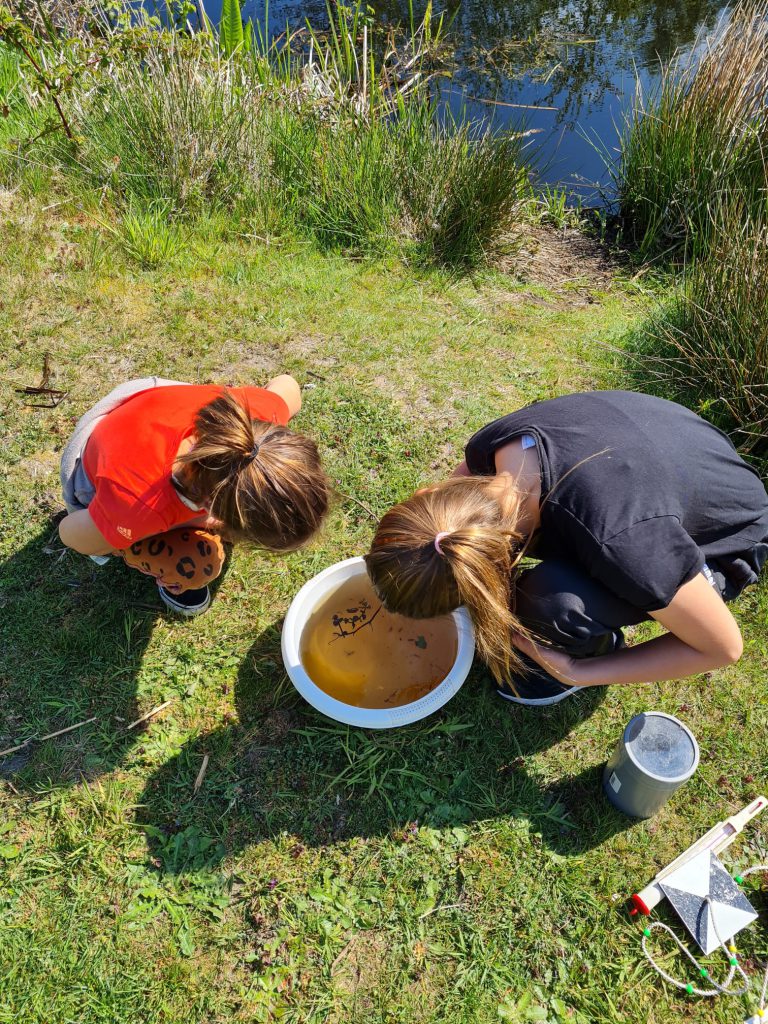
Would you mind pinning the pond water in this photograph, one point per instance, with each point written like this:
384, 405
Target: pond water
565, 70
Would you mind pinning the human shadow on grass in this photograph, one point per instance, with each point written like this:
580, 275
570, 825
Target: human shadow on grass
72, 639
284, 772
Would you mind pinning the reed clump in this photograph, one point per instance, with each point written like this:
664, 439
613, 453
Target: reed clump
436, 189
328, 136
708, 347
174, 124
699, 141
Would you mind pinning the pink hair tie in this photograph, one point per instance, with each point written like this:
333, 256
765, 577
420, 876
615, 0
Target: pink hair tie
438, 538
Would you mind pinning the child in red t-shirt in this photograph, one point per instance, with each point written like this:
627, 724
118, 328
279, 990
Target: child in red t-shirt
159, 472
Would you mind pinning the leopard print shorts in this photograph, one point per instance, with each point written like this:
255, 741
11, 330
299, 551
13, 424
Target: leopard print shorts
182, 559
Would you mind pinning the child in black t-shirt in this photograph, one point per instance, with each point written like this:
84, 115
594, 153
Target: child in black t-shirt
635, 506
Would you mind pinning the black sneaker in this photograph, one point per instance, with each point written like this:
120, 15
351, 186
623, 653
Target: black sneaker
535, 687
189, 602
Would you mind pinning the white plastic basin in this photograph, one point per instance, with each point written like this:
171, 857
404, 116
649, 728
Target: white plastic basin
302, 606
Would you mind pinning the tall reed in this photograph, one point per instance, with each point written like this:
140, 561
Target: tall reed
22, 122
175, 123
446, 192
709, 346
699, 140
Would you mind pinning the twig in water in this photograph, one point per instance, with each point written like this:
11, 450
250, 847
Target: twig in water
149, 714
503, 103
342, 634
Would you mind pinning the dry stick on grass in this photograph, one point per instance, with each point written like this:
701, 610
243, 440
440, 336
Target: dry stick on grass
201, 775
351, 497
49, 736
442, 906
55, 395
79, 725
149, 714
344, 952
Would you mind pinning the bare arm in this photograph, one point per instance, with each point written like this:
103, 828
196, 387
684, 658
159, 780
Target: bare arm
703, 635
289, 391
79, 532
461, 470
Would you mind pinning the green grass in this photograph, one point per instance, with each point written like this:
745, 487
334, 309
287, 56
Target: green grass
465, 869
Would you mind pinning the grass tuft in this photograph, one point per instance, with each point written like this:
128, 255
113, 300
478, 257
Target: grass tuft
699, 141
148, 236
709, 346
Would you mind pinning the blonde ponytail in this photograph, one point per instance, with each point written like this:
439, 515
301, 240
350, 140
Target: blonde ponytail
472, 564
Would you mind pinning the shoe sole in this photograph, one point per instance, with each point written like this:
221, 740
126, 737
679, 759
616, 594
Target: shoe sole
178, 609
539, 702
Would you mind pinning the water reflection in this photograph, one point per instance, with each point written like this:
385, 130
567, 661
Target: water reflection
579, 57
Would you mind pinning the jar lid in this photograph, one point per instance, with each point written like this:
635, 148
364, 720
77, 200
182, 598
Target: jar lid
661, 746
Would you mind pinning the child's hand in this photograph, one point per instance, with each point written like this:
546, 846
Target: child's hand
561, 666
216, 526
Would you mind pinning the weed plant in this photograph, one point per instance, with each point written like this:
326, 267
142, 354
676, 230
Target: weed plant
699, 141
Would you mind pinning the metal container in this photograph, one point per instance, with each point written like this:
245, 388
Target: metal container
654, 757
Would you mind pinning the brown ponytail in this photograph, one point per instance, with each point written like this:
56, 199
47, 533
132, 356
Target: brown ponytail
480, 550
264, 482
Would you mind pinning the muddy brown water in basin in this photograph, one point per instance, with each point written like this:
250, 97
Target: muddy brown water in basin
363, 655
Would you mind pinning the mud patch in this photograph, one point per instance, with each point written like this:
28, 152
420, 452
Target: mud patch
567, 262
358, 969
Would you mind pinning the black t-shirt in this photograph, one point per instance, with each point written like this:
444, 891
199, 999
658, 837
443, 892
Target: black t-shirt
638, 490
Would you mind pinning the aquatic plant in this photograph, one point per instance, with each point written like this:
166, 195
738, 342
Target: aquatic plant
231, 34
699, 140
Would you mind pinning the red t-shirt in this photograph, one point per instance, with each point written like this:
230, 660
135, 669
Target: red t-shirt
130, 454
